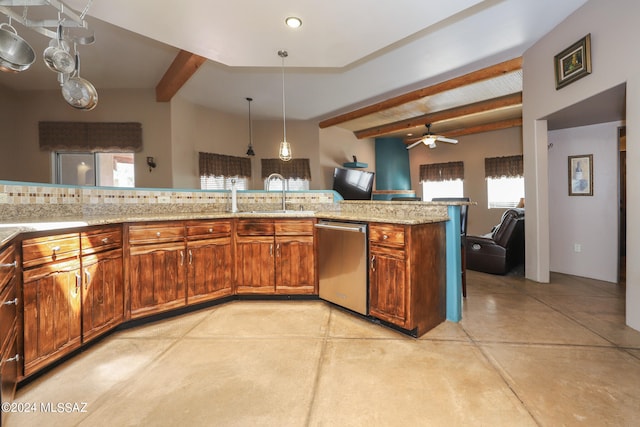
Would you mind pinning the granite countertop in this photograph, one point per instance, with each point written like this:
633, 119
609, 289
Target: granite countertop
9, 230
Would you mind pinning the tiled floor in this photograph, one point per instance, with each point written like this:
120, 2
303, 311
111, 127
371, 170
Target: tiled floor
524, 354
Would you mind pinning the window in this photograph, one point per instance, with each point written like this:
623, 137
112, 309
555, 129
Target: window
505, 192
433, 189
296, 172
101, 169
223, 183
442, 180
293, 184
218, 170
505, 181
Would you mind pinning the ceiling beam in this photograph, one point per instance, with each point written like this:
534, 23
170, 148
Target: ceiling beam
486, 127
476, 76
511, 100
179, 72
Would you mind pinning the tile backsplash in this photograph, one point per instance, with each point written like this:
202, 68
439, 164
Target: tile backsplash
24, 201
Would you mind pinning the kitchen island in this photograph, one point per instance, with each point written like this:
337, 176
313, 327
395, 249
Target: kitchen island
410, 286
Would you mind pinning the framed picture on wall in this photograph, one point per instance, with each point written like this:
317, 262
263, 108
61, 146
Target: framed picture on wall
574, 62
581, 175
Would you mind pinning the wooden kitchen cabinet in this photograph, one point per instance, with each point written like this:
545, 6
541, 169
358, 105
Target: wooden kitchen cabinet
209, 266
9, 355
275, 256
255, 256
407, 277
295, 257
51, 289
156, 265
103, 281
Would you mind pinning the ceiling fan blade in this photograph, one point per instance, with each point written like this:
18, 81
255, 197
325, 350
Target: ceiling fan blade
414, 144
449, 140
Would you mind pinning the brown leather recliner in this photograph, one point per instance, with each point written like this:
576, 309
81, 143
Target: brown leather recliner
502, 249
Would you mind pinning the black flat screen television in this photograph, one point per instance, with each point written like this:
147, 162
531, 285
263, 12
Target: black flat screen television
353, 184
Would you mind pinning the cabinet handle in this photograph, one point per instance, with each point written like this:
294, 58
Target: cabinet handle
87, 277
14, 264
78, 282
278, 249
373, 263
271, 249
181, 257
105, 240
158, 234
11, 302
385, 237
211, 230
55, 249
190, 257
15, 358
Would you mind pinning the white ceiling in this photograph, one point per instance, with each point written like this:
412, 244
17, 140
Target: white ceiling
347, 54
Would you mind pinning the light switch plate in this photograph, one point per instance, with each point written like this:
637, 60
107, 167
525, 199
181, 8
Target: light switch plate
4, 198
164, 199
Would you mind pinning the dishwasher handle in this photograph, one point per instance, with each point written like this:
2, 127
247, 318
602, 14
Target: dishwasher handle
356, 228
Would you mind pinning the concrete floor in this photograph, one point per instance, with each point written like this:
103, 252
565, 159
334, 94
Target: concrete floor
524, 354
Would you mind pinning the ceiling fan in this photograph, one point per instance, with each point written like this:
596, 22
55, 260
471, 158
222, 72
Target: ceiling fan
430, 139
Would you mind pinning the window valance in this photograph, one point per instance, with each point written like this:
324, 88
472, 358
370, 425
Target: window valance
442, 171
498, 167
293, 169
90, 136
221, 165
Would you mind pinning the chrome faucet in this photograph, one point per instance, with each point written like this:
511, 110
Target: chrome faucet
284, 182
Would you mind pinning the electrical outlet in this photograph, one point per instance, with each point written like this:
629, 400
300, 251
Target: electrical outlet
4, 198
164, 199
577, 247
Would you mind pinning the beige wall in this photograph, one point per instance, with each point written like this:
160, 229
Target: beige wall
304, 140
194, 129
472, 150
338, 146
28, 163
612, 29
570, 217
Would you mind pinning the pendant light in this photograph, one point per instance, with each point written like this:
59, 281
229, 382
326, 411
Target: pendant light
285, 148
250, 151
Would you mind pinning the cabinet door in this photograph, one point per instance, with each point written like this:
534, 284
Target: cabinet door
209, 270
387, 285
255, 266
157, 278
51, 298
9, 372
295, 265
102, 293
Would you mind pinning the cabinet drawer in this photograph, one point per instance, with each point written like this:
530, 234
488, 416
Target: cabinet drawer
42, 250
255, 227
294, 227
208, 229
155, 233
387, 234
100, 240
8, 265
8, 312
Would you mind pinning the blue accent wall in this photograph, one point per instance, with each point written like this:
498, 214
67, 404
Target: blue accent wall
392, 165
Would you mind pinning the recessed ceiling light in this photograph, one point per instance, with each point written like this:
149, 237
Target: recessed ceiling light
293, 22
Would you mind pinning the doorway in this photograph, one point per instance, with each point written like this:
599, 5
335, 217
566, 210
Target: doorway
622, 185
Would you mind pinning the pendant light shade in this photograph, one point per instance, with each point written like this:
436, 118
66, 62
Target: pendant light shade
285, 148
250, 151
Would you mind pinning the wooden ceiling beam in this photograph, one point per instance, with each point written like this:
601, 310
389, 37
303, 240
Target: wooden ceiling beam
486, 127
467, 79
179, 72
464, 110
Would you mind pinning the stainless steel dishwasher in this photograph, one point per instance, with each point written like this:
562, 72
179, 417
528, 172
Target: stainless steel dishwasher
342, 264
